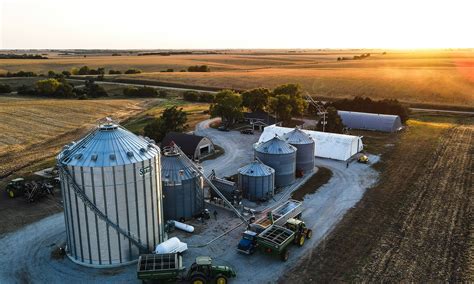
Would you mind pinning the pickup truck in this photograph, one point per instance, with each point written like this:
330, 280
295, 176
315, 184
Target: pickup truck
169, 268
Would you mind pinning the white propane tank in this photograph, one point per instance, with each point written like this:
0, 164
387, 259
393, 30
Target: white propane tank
183, 227
172, 245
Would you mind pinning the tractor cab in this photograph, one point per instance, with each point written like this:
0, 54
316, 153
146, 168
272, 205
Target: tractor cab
299, 227
295, 225
202, 271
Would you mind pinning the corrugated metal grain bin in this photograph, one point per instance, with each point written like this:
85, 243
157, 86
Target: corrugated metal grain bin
305, 149
111, 172
281, 156
182, 187
256, 181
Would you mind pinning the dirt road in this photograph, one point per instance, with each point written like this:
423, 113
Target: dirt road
414, 225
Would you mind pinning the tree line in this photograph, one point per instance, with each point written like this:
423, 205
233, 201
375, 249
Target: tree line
22, 56
144, 92
60, 88
285, 101
84, 70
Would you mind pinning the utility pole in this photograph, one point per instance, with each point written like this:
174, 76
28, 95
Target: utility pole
321, 110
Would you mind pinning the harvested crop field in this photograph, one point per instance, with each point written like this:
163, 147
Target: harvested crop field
416, 224
430, 77
33, 130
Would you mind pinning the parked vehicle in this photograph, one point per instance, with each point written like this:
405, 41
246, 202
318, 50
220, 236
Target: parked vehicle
299, 227
247, 131
169, 267
223, 128
363, 159
16, 187
274, 241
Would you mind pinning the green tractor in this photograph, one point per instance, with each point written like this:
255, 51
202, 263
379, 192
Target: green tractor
169, 268
299, 227
16, 187
202, 271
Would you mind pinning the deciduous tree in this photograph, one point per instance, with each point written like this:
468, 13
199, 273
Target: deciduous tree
227, 105
256, 99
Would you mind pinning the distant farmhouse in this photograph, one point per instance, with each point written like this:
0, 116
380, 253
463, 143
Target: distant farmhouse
194, 146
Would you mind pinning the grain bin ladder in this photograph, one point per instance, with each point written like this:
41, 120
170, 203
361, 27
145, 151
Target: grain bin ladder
209, 182
79, 192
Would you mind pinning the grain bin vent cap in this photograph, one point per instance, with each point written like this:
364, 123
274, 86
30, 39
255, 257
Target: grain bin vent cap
275, 146
108, 145
256, 169
297, 136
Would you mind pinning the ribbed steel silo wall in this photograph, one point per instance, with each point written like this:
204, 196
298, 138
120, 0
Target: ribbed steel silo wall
283, 164
182, 200
256, 188
304, 157
130, 198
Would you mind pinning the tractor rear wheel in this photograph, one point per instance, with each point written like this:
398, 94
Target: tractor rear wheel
221, 279
11, 194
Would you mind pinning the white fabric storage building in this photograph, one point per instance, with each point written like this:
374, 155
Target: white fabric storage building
327, 145
370, 121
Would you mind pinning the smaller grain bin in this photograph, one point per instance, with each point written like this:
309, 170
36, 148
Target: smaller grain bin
256, 181
281, 156
305, 145
182, 187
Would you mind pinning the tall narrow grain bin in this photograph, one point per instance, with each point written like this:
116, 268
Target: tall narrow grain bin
281, 156
182, 187
305, 145
111, 189
256, 181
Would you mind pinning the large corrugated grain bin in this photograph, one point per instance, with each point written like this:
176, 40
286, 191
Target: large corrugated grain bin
281, 156
113, 173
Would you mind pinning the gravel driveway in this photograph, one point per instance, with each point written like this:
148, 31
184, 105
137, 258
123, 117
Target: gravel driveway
238, 149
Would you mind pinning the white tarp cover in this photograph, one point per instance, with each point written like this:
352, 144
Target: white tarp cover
172, 245
327, 145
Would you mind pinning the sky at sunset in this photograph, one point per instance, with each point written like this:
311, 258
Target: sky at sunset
207, 24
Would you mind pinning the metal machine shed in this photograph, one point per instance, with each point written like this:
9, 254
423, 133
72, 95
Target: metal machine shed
328, 145
370, 121
194, 146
